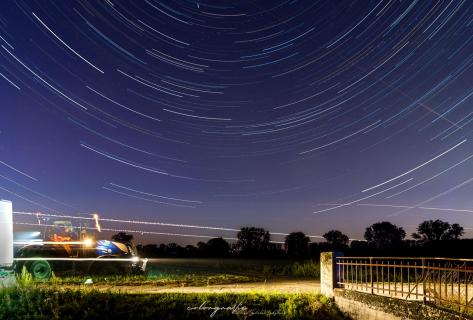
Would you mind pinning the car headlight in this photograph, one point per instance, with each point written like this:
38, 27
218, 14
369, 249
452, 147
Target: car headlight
88, 243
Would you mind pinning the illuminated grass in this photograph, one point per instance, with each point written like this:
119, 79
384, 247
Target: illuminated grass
63, 298
157, 280
37, 303
204, 272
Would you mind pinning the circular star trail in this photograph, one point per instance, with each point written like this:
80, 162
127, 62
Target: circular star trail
291, 115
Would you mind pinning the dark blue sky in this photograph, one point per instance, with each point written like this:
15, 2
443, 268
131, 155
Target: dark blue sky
289, 115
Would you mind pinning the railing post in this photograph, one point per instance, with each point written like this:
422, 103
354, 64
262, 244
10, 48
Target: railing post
371, 275
424, 292
466, 289
328, 272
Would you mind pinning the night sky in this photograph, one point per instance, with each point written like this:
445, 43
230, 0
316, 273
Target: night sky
289, 115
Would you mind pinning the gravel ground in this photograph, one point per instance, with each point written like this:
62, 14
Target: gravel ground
281, 286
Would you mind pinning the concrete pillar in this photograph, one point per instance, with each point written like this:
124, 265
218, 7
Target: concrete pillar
328, 272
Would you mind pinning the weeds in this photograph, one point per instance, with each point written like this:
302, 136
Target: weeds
49, 300
250, 267
306, 269
24, 279
37, 303
187, 280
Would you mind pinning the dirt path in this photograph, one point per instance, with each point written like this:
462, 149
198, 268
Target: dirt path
284, 286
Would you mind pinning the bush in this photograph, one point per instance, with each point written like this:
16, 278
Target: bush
306, 269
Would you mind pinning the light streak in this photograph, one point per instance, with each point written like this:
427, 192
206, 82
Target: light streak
44, 81
431, 178
163, 34
355, 201
341, 139
403, 207
66, 45
153, 195
115, 141
136, 231
26, 199
446, 209
126, 221
418, 167
9, 81
121, 105
97, 224
169, 15
127, 162
150, 85
149, 200
150, 223
35, 192
104, 259
20, 172
41, 242
458, 186
194, 116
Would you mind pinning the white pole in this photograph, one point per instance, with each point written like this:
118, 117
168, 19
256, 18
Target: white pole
6, 233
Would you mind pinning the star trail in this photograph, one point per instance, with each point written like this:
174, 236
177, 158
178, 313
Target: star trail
214, 115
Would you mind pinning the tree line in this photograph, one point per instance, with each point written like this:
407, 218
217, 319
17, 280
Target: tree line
432, 238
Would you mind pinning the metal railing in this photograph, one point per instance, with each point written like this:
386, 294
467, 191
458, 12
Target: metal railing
440, 281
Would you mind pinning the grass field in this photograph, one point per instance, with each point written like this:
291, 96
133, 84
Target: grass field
202, 272
265, 269
183, 280
56, 303
67, 297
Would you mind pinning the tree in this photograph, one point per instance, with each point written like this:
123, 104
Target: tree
171, 249
337, 239
217, 247
191, 250
437, 230
275, 250
150, 251
122, 237
253, 241
297, 244
455, 232
315, 249
358, 245
202, 248
384, 235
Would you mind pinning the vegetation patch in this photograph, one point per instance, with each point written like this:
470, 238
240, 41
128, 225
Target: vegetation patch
255, 269
305, 269
40, 303
188, 280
